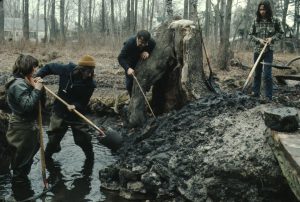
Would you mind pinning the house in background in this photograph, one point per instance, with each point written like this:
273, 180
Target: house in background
13, 29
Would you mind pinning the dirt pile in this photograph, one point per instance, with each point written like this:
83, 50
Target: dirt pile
212, 149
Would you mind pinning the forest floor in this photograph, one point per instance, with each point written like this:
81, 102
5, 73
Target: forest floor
109, 74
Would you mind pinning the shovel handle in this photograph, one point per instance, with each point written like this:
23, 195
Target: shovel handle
254, 66
76, 112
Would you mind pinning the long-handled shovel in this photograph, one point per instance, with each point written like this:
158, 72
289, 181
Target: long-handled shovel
42, 151
111, 139
254, 66
143, 94
101, 132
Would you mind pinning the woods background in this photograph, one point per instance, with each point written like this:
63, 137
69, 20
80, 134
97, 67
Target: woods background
108, 22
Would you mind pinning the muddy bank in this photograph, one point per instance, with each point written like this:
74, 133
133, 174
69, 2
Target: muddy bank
213, 149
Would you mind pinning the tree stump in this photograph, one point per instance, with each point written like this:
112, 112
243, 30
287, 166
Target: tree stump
174, 69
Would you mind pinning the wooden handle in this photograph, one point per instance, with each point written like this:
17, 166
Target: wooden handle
254, 66
42, 151
76, 112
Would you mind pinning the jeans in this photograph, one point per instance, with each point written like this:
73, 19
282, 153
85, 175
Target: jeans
267, 57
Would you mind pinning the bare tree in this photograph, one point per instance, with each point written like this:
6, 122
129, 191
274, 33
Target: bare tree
224, 38
103, 16
90, 15
26, 20
112, 16
186, 9
128, 24
52, 28
132, 15
135, 15
45, 21
152, 13
193, 9
207, 18
79, 20
37, 21
1, 21
169, 7
62, 21
143, 15
284, 14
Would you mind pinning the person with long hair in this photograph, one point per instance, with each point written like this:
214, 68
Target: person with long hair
23, 95
265, 29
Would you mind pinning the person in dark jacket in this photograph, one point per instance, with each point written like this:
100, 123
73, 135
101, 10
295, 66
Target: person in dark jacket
265, 29
135, 48
23, 95
76, 86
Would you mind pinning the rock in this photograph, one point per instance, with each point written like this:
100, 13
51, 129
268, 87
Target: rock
285, 119
151, 181
136, 187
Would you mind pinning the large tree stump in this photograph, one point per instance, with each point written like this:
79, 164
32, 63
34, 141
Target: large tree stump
175, 70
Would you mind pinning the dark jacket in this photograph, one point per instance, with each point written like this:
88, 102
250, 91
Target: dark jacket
130, 53
22, 98
72, 89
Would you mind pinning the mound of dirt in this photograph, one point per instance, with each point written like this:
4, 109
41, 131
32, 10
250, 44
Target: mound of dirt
212, 149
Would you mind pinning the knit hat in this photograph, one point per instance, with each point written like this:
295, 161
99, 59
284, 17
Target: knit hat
87, 61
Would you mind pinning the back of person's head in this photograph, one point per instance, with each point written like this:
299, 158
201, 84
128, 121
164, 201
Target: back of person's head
24, 65
144, 35
267, 7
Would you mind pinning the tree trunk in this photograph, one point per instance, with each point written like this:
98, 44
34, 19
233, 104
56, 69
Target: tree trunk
135, 16
284, 14
1, 22
151, 16
90, 17
52, 28
186, 9
37, 22
175, 69
194, 10
132, 16
26, 20
224, 51
45, 22
62, 21
148, 14
143, 14
169, 7
128, 24
79, 20
103, 16
207, 18
112, 6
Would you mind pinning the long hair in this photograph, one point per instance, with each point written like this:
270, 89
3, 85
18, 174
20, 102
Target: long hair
24, 65
269, 12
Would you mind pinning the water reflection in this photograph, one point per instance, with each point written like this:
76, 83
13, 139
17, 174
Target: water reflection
77, 179
81, 185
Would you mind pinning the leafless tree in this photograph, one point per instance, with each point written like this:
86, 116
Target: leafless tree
1, 21
169, 7
53, 27
62, 21
26, 20
143, 14
186, 9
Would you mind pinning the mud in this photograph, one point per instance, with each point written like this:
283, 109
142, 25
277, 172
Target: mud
213, 149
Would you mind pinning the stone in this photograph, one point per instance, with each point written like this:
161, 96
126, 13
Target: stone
284, 119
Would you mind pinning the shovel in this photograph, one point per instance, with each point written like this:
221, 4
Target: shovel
110, 138
254, 67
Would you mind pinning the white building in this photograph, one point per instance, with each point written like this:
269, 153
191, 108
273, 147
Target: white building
13, 29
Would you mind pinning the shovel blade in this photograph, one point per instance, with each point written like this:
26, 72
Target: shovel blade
112, 139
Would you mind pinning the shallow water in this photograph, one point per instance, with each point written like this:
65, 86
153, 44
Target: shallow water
75, 179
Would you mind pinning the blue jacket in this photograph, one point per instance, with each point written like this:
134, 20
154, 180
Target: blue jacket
130, 53
72, 89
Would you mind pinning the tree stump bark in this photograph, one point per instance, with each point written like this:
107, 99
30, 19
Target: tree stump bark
175, 70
